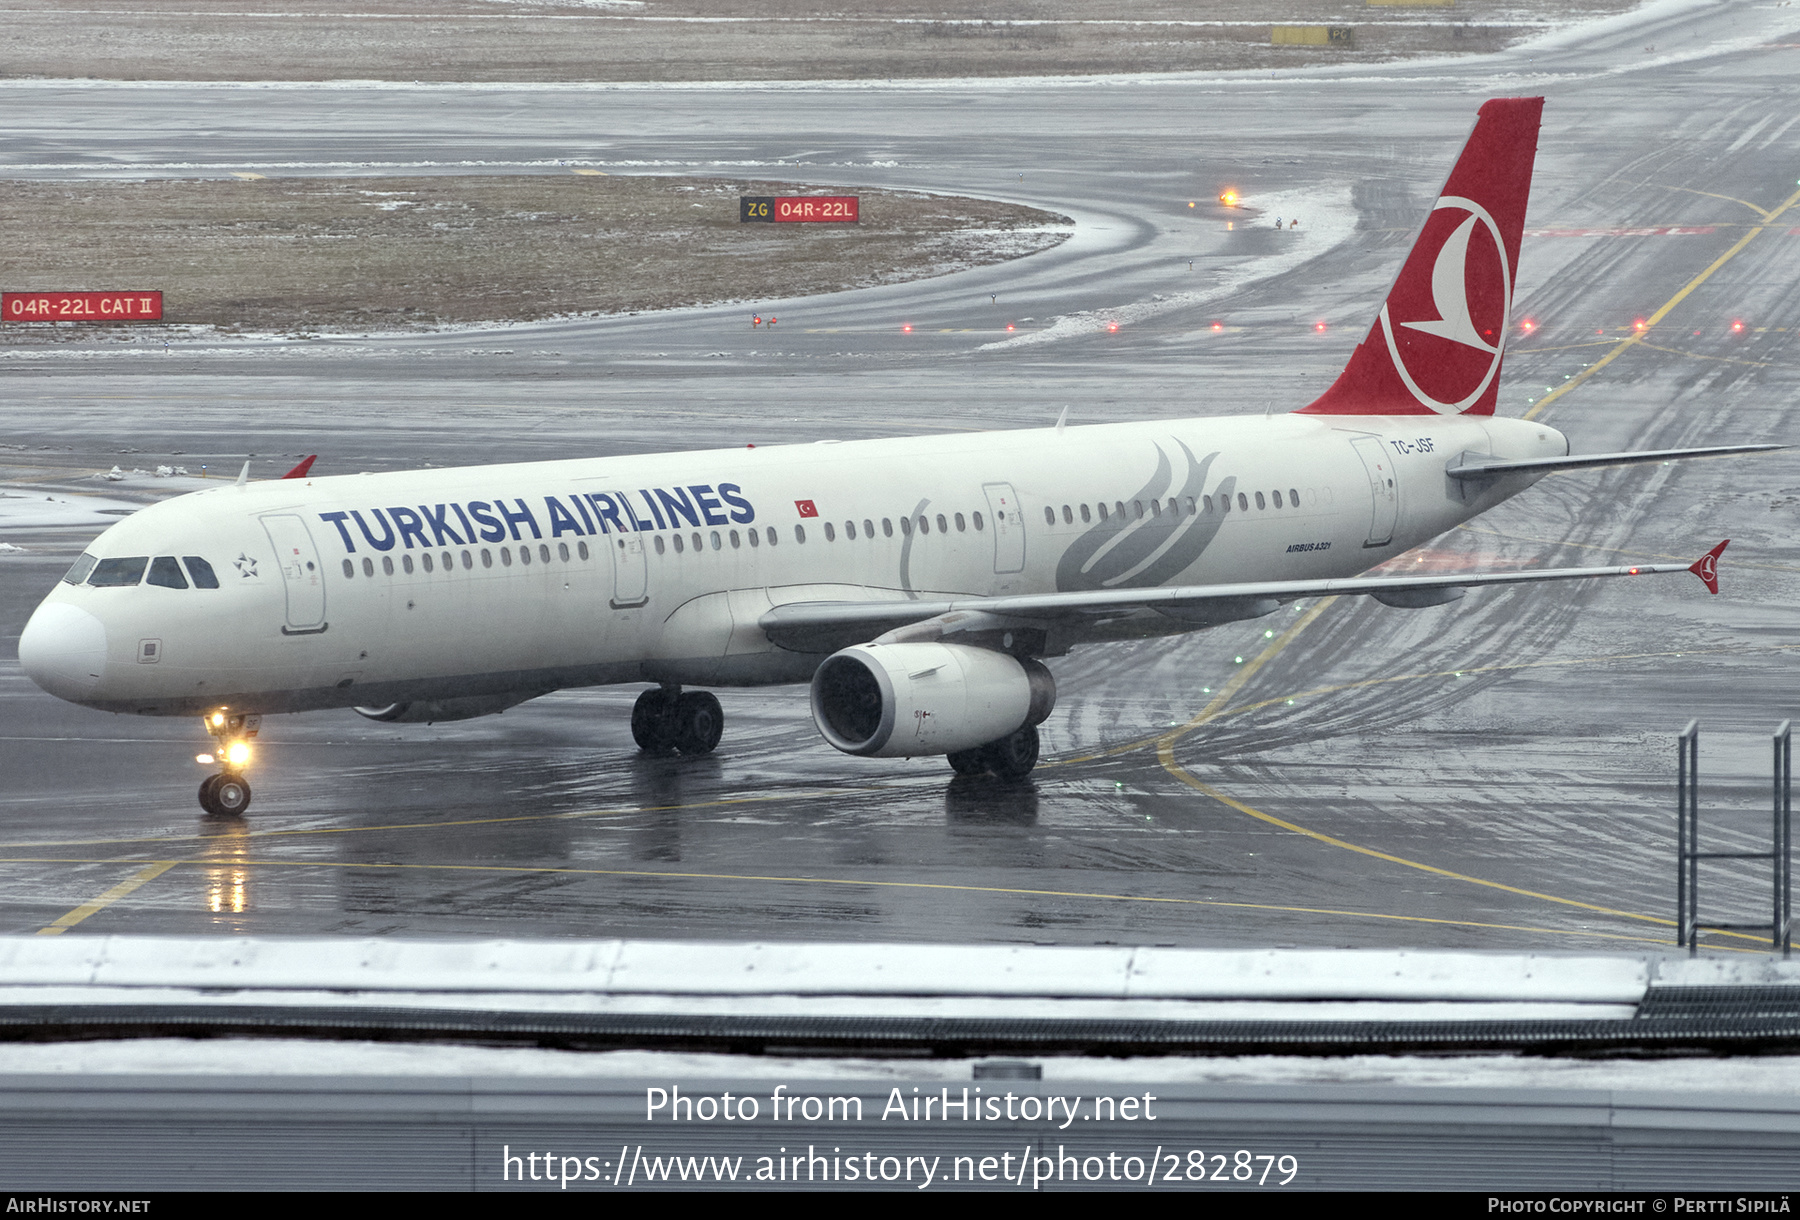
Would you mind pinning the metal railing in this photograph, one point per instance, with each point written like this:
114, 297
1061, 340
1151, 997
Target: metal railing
1688, 854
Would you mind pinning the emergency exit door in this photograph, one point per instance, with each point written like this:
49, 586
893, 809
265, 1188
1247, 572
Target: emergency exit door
1384, 489
1009, 527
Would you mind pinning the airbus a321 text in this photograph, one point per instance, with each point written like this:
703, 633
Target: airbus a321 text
917, 584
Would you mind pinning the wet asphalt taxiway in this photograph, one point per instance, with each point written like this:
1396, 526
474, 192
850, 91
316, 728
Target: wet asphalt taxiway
1498, 773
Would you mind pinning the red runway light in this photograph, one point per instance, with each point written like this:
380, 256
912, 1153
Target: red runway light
1528, 326
1737, 325
1218, 326
1632, 572
1640, 324
1009, 326
1112, 326
907, 329
1319, 326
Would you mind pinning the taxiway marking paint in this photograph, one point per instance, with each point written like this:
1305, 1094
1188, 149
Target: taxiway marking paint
1627, 344
102, 901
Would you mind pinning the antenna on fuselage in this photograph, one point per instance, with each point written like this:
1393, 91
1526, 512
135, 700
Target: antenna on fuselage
244, 474
1062, 419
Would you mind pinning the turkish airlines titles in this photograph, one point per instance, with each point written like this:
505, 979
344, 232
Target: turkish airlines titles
580, 514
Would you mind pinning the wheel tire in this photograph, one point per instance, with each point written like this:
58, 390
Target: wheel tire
206, 794
650, 722
969, 762
230, 795
1013, 756
699, 722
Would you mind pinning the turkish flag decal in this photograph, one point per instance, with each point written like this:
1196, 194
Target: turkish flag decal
807, 508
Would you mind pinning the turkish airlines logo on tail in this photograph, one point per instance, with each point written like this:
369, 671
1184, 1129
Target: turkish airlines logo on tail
1447, 334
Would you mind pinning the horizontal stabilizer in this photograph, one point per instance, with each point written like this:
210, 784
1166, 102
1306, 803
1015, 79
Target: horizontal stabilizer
1475, 467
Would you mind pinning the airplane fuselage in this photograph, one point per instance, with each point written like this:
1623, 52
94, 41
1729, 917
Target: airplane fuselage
510, 581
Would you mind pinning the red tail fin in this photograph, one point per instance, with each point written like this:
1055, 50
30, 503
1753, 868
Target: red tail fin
299, 472
1437, 346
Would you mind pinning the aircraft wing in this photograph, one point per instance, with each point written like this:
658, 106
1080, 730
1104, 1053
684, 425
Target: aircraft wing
1476, 466
828, 626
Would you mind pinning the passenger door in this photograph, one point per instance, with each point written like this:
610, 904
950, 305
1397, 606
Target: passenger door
1009, 527
301, 576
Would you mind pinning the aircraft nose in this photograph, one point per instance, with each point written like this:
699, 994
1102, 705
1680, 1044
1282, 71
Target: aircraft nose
63, 650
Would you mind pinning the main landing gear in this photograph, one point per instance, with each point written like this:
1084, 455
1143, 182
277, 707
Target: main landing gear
666, 720
1012, 757
227, 794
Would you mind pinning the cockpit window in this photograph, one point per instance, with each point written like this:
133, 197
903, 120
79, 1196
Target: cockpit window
112, 573
80, 571
201, 571
166, 572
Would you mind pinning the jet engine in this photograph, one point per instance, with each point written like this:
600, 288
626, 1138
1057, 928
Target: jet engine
904, 700
429, 711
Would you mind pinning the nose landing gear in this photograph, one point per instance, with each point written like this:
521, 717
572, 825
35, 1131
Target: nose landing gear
227, 794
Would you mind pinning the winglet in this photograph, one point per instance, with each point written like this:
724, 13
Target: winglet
299, 472
1707, 567
244, 475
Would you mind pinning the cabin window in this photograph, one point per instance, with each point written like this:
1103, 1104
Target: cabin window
1293, 497
659, 544
1224, 502
1260, 502
960, 525
407, 563
1243, 502
906, 526
1190, 506
1155, 508
468, 561
1206, 505
1068, 515
868, 528
718, 543
1137, 507
544, 551
1277, 495
799, 533
1049, 515
850, 530
830, 533
1119, 507
117, 573
755, 538
426, 560
924, 525
368, 567
698, 545
449, 561
581, 549
887, 527
487, 558
680, 546
1086, 516
387, 565
562, 551
166, 572
736, 542
978, 524
773, 536
1102, 507
1174, 506
349, 569
506, 557
943, 525
525, 556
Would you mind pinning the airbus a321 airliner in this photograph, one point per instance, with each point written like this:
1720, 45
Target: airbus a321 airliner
915, 583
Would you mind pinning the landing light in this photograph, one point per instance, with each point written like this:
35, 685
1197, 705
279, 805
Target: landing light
218, 718
1227, 197
205, 760
238, 753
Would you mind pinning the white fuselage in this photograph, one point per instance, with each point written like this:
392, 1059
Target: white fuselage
520, 579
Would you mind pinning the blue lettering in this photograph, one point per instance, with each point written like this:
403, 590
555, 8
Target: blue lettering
678, 503
704, 498
440, 528
386, 541
742, 513
467, 528
606, 510
581, 507
562, 521
343, 530
493, 531
654, 511
513, 519
410, 526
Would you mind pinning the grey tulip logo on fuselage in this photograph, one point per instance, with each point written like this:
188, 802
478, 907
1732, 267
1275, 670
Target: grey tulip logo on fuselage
1128, 551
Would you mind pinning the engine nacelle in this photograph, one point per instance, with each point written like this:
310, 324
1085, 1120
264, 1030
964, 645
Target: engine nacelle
430, 711
905, 700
